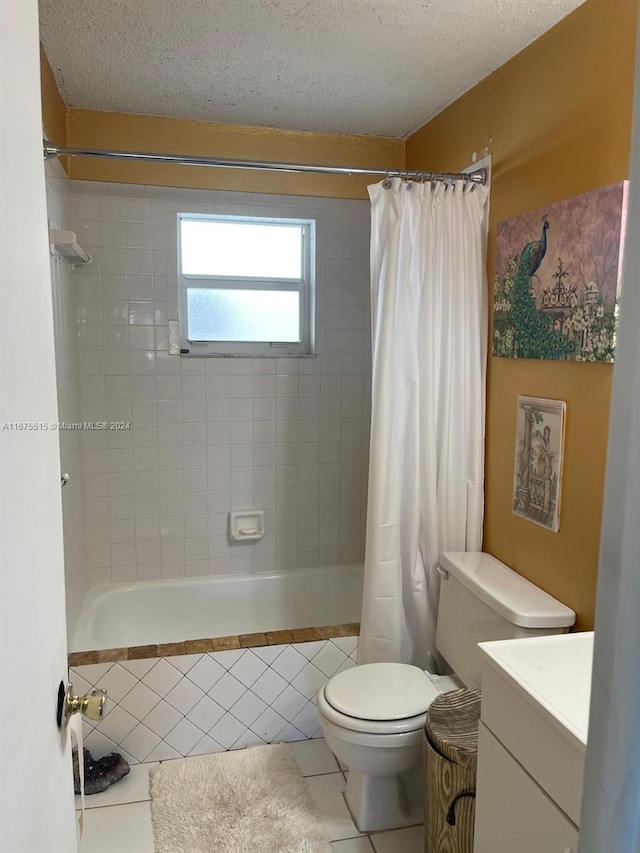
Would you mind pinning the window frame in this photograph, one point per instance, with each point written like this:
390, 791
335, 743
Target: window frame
305, 286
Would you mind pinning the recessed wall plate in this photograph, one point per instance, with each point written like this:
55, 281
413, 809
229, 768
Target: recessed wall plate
246, 525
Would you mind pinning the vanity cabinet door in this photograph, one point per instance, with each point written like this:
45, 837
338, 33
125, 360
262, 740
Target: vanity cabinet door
512, 812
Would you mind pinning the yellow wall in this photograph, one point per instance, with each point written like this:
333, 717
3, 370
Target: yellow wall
54, 114
557, 122
86, 128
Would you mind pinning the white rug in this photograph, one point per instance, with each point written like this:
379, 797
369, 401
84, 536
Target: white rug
248, 801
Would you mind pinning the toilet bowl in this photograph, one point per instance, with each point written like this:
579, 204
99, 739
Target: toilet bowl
373, 716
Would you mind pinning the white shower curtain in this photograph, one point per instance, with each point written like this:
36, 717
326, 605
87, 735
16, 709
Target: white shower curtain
429, 326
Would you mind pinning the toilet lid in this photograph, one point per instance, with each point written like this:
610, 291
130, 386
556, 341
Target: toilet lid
381, 691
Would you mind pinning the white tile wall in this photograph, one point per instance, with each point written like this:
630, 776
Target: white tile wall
289, 436
66, 309
193, 704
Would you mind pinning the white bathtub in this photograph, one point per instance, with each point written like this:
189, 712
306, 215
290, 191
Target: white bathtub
168, 611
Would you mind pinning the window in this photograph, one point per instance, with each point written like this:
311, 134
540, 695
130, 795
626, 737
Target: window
245, 285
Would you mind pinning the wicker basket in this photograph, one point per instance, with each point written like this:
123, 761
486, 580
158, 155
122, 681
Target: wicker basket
451, 757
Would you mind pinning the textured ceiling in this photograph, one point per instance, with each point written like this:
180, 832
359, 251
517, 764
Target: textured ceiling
378, 67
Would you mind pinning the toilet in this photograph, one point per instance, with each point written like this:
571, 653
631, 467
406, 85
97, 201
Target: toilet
373, 715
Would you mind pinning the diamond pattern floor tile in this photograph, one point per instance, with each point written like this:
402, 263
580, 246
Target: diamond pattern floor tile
162, 678
205, 714
99, 745
92, 672
227, 731
329, 659
184, 696
248, 708
248, 668
269, 653
268, 725
117, 724
269, 686
162, 718
205, 746
117, 682
140, 742
289, 663
163, 752
139, 701
183, 737
227, 691
206, 673
310, 681
184, 662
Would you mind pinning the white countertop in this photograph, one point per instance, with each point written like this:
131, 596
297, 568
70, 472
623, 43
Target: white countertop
552, 672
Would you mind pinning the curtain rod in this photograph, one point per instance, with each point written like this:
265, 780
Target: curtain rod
52, 151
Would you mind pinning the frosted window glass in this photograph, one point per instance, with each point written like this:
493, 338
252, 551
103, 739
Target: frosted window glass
223, 248
243, 315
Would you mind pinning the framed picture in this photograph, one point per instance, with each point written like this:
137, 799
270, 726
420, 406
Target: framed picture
558, 278
537, 474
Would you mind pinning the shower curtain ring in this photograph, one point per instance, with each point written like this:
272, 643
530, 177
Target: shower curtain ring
386, 184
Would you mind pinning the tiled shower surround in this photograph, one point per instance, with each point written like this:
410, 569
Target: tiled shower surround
161, 708
68, 383
287, 435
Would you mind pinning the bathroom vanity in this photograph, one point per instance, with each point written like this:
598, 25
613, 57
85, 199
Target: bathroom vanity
533, 734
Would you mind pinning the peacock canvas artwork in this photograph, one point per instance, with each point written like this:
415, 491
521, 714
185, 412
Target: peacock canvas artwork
558, 278
537, 473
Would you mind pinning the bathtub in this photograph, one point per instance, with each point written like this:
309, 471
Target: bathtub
196, 665
171, 611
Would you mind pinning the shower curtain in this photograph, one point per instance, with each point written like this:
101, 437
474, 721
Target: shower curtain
429, 322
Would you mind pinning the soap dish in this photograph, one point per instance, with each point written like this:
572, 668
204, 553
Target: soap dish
246, 525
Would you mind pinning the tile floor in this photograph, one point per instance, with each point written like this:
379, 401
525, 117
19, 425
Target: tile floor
119, 820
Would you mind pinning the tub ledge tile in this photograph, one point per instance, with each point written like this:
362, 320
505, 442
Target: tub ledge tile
111, 655
251, 641
276, 638
171, 649
223, 644
83, 658
193, 647
140, 652
305, 635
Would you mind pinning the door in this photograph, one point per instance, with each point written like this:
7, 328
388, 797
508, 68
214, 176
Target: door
36, 795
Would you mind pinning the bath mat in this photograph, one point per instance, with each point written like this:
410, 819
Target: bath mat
248, 801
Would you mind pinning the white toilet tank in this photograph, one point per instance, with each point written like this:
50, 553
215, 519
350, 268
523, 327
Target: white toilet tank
482, 599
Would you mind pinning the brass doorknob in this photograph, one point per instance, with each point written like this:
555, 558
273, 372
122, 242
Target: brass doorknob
91, 705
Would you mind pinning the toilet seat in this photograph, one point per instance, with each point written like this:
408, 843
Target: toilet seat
380, 698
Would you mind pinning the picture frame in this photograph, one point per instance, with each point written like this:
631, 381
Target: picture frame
558, 278
538, 463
